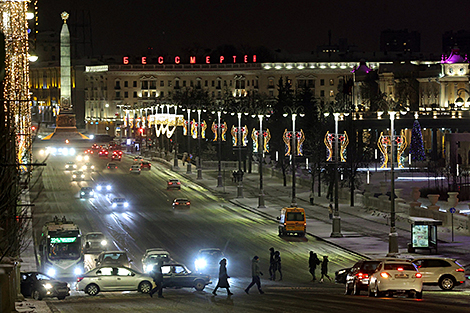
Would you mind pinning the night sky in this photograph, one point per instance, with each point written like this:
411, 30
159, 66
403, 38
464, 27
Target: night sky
130, 26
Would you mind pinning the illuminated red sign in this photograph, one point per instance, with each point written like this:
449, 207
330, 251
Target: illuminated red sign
193, 60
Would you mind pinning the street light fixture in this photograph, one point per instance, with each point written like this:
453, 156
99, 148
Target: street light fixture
336, 225
393, 236
199, 129
220, 182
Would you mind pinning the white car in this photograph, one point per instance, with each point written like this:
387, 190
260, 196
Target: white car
444, 272
103, 187
88, 167
117, 278
113, 258
153, 256
119, 202
393, 277
78, 175
82, 157
69, 166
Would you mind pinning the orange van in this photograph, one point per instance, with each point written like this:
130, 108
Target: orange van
292, 221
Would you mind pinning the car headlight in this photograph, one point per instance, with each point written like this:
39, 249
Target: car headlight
91, 193
87, 157
74, 176
83, 176
92, 167
79, 158
200, 264
47, 286
75, 166
72, 151
126, 204
98, 188
104, 242
77, 271
51, 272
114, 205
82, 193
108, 187
148, 268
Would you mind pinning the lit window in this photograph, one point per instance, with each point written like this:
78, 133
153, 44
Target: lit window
332, 93
332, 82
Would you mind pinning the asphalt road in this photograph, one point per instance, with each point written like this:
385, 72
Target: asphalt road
150, 222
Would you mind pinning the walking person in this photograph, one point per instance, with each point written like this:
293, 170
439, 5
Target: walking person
311, 197
223, 278
277, 265
271, 262
330, 211
313, 261
255, 273
324, 268
157, 276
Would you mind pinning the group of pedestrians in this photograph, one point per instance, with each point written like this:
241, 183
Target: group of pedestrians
274, 264
314, 261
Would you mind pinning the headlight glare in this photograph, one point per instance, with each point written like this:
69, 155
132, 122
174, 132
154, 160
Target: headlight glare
200, 264
47, 286
77, 271
51, 272
104, 242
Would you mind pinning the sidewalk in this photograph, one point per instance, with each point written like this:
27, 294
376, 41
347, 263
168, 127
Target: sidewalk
365, 232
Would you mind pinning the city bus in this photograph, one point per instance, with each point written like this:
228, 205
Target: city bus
60, 249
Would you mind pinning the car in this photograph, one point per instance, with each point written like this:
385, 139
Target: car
179, 276
357, 279
103, 153
78, 175
88, 151
111, 166
340, 275
138, 159
38, 286
145, 165
396, 277
173, 184
95, 242
181, 203
83, 157
88, 167
103, 187
135, 169
95, 147
70, 166
443, 272
207, 260
86, 192
119, 202
153, 256
116, 156
113, 278
113, 258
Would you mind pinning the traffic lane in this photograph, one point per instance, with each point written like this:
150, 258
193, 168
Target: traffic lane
318, 298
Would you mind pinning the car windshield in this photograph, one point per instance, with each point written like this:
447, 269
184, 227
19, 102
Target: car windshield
119, 200
173, 180
370, 265
399, 267
181, 200
114, 257
95, 236
295, 216
212, 253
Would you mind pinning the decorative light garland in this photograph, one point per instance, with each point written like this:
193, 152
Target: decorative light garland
16, 92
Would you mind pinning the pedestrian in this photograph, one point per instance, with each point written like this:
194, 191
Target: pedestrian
313, 261
255, 275
271, 262
324, 268
223, 278
330, 211
311, 197
277, 265
157, 276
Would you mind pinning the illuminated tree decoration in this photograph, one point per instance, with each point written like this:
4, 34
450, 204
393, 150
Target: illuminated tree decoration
16, 93
416, 145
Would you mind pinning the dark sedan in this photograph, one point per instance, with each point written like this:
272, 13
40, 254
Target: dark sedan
38, 286
178, 276
358, 277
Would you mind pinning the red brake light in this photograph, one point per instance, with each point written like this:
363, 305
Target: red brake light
400, 269
362, 275
176, 203
178, 183
188, 203
418, 275
79, 279
459, 270
170, 183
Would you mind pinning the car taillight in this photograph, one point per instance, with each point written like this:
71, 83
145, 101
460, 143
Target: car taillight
418, 275
362, 275
385, 275
170, 183
176, 203
79, 279
459, 270
188, 203
400, 269
178, 183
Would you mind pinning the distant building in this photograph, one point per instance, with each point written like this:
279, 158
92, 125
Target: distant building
400, 41
460, 39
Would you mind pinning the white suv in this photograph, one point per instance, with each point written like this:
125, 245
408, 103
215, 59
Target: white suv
444, 272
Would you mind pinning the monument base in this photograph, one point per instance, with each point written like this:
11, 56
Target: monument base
66, 129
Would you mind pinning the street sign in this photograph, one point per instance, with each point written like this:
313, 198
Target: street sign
452, 210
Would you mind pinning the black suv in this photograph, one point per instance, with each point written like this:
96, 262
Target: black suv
38, 285
357, 278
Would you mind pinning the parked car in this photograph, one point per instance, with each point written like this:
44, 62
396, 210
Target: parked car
111, 166
38, 286
173, 184
443, 272
78, 175
207, 260
69, 166
95, 242
393, 277
179, 276
181, 203
145, 165
86, 192
113, 278
135, 169
113, 258
357, 278
153, 256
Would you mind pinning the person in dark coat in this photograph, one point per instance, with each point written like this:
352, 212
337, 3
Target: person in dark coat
271, 263
157, 276
277, 265
313, 261
324, 268
255, 273
223, 278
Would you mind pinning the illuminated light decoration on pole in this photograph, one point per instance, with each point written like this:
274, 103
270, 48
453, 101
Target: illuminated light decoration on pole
261, 148
239, 132
239, 141
328, 141
384, 142
223, 128
16, 93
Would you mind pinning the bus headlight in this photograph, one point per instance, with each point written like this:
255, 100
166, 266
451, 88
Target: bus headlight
200, 264
77, 271
51, 272
47, 286
126, 204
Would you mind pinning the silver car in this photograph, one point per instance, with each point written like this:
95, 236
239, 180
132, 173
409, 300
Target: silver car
95, 242
113, 258
108, 278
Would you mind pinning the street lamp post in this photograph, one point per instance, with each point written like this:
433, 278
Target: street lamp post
188, 134
260, 154
240, 145
220, 182
199, 129
175, 159
393, 236
336, 225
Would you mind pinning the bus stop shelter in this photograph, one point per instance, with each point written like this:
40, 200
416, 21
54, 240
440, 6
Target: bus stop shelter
423, 233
